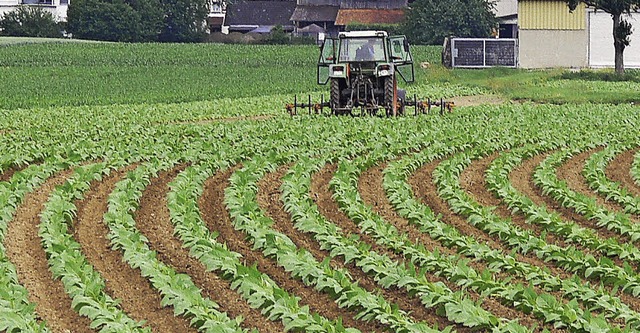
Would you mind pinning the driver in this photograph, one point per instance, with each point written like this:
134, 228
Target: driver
365, 51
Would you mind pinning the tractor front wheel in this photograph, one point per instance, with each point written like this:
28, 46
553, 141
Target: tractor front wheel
335, 96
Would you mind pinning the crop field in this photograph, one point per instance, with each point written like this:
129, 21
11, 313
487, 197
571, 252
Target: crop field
163, 188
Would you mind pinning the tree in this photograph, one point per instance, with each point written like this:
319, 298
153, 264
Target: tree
621, 27
184, 20
115, 20
28, 21
430, 21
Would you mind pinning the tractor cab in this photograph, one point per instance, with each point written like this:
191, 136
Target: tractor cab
368, 50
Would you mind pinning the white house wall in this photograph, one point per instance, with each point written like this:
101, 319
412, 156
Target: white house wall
601, 51
58, 10
552, 48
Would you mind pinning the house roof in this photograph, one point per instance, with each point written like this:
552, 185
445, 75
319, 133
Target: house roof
369, 16
260, 13
315, 14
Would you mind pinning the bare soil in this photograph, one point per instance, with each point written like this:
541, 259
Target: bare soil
473, 181
522, 179
24, 250
322, 195
6, 175
153, 220
217, 218
571, 173
478, 100
138, 299
426, 191
619, 170
269, 200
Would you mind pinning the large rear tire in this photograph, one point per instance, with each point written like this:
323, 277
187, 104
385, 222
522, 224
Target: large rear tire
390, 97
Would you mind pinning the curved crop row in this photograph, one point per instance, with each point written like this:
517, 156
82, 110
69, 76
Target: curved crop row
255, 287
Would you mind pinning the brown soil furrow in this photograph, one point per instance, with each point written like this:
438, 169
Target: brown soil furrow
153, 220
571, 172
216, 215
373, 194
24, 250
522, 179
619, 170
473, 181
6, 175
425, 190
329, 208
138, 299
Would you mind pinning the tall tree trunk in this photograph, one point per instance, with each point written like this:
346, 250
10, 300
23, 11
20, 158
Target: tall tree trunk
618, 44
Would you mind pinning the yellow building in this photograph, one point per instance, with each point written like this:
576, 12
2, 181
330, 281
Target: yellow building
551, 36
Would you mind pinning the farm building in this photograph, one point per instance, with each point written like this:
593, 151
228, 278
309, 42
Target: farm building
57, 7
551, 36
507, 14
259, 16
313, 16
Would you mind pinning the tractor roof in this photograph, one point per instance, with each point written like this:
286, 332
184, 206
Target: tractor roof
369, 33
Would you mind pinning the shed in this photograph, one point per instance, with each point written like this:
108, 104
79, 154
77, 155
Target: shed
551, 36
323, 16
246, 15
506, 12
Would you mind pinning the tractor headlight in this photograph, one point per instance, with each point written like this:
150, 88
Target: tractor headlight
338, 70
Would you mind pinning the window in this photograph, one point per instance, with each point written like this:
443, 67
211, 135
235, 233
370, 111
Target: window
361, 49
37, 2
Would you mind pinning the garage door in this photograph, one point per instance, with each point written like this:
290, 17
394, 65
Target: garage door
601, 52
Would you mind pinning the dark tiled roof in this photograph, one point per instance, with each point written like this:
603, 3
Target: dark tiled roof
260, 13
369, 16
315, 14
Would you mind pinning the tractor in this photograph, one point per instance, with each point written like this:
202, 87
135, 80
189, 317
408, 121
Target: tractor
362, 69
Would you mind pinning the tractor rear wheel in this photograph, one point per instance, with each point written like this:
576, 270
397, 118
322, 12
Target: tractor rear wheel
390, 96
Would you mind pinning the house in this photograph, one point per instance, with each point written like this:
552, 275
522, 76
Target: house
56, 7
506, 12
308, 13
259, 16
551, 36
334, 15
215, 19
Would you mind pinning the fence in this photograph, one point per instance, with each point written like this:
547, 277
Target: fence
484, 52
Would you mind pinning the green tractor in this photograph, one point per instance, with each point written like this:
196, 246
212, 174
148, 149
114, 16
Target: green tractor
362, 69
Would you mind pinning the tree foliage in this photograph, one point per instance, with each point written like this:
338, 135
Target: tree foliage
28, 21
622, 29
184, 20
430, 21
113, 20
139, 20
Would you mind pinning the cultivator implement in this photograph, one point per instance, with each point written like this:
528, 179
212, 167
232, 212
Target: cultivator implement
419, 107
